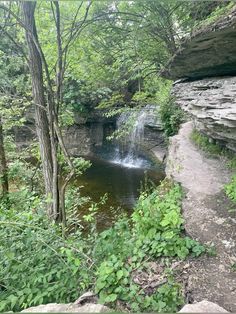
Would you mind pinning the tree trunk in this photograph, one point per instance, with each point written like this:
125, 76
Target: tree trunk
3, 164
41, 119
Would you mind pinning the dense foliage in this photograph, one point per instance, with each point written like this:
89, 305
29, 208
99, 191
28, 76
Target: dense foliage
230, 190
71, 58
104, 262
119, 50
36, 267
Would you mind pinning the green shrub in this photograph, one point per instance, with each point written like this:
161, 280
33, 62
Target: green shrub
171, 115
232, 161
230, 189
156, 231
37, 266
115, 283
158, 224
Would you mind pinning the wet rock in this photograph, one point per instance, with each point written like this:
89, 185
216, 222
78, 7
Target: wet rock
203, 307
153, 138
159, 152
147, 134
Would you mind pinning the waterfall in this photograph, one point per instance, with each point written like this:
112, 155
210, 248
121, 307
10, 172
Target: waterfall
127, 152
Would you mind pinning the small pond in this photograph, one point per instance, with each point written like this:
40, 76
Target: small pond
121, 183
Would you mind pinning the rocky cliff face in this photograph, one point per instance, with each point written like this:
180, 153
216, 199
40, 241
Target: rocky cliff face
81, 138
211, 51
86, 135
205, 89
153, 133
212, 104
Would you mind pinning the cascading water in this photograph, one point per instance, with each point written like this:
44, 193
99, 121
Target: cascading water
120, 169
127, 152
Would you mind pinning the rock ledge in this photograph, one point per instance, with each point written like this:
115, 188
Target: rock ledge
211, 51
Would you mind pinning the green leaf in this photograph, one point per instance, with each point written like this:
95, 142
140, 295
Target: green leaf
100, 285
13, 299
119, 274
111, 298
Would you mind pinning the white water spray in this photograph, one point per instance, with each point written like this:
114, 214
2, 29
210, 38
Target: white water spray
127, 153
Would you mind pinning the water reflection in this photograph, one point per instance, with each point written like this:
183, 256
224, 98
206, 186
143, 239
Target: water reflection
122, 185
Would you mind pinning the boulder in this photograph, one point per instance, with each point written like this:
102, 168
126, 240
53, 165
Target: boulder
160, 153
203, 307
86, 303
67, 308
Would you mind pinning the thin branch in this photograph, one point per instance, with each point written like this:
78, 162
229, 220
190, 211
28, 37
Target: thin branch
59, 80
74, 35
15, 43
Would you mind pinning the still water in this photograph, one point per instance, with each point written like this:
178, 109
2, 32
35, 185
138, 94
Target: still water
122, 184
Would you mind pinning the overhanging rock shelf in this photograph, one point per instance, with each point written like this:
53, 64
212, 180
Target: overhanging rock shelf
205, 67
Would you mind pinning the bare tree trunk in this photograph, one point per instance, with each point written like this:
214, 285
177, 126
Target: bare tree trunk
47, 110
41, 120
3, 165
59, 78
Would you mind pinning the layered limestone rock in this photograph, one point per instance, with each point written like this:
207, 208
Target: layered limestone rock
81, 138
153, 137
210, 51
212, 104
89, 133
84, 138
205, 89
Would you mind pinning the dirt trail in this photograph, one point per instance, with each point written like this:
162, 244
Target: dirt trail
207, 219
